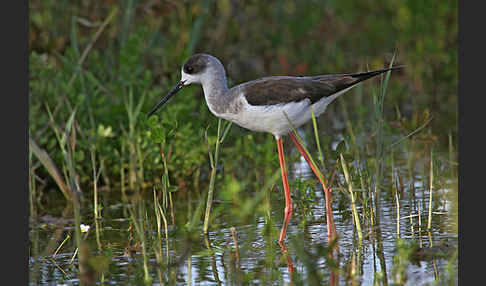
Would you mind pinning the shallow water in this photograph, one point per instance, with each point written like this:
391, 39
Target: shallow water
214, 260
191, 258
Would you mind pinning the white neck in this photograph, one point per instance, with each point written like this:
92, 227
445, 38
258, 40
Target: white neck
215, 89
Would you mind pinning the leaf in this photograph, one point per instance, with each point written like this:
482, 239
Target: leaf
68, 127
157, 135
153, 121
51, 168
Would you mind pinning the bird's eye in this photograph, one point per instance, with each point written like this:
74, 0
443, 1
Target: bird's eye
189, 69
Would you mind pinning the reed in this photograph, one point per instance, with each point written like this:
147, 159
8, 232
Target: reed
452, 162
394, 180
60, 245
139, 219
158, 241
398, 213
160, 213
379, 105
67, 143
316, 136
357, 223
234, 236
32, 187
220, 136
135, 162
431, 189
96, 176
189, 270
419, 224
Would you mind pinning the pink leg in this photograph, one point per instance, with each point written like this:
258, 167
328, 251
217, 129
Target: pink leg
290, 264
329, 217
288, 199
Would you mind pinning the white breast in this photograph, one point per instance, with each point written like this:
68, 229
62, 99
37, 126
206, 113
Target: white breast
272, 118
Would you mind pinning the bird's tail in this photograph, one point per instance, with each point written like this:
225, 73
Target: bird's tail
366, 75
344, 82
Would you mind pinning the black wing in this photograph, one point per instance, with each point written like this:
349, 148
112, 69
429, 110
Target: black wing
284, 89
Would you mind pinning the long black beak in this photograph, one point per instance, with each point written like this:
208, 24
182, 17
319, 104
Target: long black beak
175, 90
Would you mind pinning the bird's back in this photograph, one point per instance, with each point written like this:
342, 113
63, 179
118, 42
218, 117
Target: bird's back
284, 89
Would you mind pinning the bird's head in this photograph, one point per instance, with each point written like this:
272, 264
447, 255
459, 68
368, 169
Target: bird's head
199, 68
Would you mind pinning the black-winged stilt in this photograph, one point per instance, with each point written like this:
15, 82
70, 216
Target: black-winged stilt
268, 104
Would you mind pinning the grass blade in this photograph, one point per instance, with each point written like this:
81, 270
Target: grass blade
51, 168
